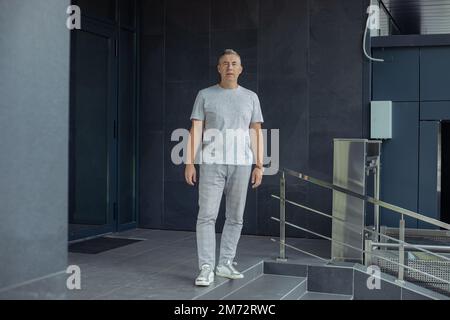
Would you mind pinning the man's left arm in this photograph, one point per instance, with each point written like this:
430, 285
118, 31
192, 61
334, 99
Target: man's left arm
257, 145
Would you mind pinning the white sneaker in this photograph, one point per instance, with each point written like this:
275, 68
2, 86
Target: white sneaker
206, 276
228, 271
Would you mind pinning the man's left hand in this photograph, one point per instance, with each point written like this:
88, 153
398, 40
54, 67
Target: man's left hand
257, 176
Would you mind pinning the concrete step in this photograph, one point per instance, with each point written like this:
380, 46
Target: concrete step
324, 296
290, 281
223, 287
270, 287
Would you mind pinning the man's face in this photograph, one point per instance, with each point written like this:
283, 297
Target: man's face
230, 67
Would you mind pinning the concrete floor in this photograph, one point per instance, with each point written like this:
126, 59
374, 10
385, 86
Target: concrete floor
164, 265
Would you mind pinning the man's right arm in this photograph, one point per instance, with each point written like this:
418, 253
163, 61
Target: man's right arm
194, 142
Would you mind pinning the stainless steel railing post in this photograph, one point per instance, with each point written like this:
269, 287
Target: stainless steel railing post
376, 207
401, 249
382, 235
368, 253
282, 256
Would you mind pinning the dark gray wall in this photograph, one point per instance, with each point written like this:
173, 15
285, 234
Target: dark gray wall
34, 104
415, 76
304, 60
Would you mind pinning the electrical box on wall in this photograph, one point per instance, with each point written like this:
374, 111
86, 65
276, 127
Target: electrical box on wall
381, 120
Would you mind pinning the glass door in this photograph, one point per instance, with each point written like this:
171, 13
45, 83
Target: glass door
93, 131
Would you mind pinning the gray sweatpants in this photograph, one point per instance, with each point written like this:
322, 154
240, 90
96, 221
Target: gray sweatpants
215, 180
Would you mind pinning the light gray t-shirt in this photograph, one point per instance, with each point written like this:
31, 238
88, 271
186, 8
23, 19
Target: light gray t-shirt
228, 114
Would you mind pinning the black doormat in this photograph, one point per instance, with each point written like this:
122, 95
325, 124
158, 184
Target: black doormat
102, 244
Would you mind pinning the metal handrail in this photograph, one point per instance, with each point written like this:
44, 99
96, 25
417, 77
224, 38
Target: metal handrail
377, 203
356, 229
374, 201
349, 225
358, 249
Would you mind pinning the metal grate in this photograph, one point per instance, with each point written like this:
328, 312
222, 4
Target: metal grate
419, 234
420, 261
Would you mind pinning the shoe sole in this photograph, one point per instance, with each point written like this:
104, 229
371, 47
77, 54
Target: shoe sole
223, 275
203, 284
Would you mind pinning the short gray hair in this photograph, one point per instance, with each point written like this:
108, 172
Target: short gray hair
226, 52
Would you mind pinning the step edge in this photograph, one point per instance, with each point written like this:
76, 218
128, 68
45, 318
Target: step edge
301, 279
239, 288
329, 294
302, 283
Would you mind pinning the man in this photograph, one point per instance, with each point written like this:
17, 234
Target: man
225, 168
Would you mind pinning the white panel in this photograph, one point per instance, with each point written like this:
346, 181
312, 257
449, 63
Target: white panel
381, 120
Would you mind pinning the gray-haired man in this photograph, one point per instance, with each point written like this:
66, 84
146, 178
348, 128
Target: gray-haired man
219, 113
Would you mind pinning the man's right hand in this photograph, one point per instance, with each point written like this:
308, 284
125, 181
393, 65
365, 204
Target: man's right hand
190, 174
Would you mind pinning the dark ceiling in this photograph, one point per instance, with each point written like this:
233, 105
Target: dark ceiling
420, 16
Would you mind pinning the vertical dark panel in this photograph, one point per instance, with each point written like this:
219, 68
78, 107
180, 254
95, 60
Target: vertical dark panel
151, 17
151, 135
434, 73
283, 40
152, 86
90, 127
151, 178
99, 9
187, 40
445, 173
397, 78
335, 91
428, 167
435, 110
152, 64
127, 13
235, 15
127, 127
151, 116
181, 206
93, 136
336, 83
283, 91
400, 163
90, 92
